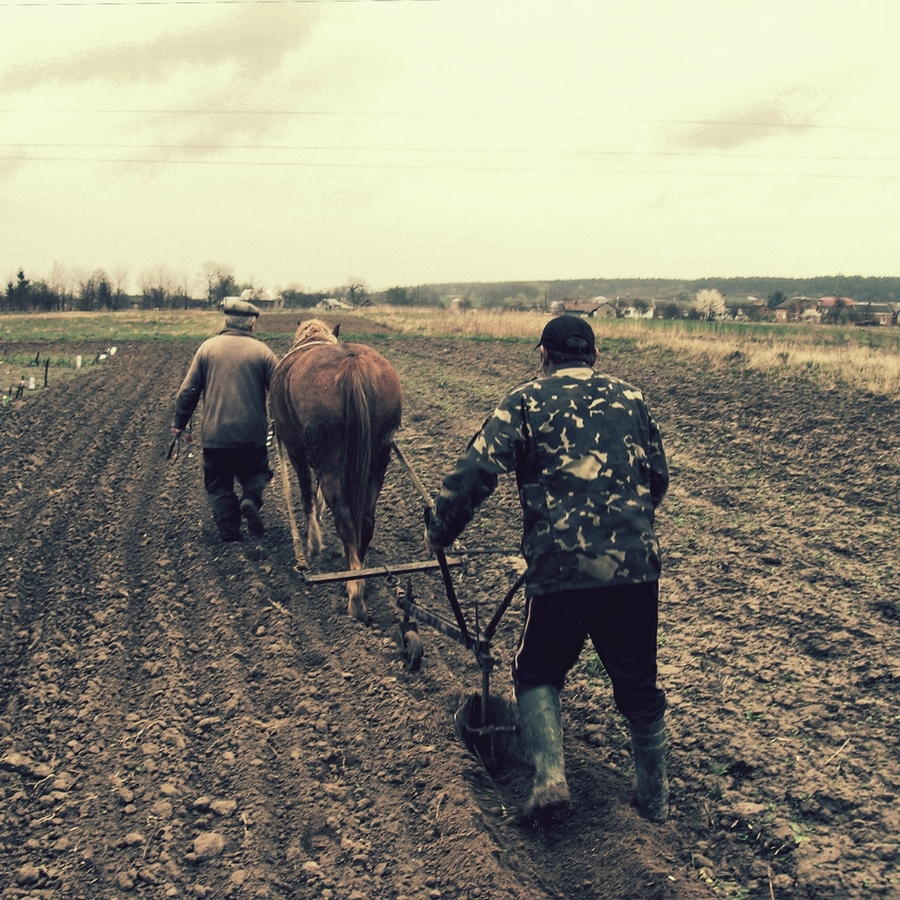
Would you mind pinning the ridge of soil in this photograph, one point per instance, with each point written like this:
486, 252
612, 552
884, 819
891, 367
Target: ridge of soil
182, 718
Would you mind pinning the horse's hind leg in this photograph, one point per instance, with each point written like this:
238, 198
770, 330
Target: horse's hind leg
356, 602
356, 556
367, 526
347, 532
319, 507
356, 540
356, 589
314, 542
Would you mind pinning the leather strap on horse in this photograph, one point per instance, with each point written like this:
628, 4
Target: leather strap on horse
286, 484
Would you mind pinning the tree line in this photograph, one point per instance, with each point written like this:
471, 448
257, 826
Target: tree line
162, 289
769, 290
99, 291
96, 291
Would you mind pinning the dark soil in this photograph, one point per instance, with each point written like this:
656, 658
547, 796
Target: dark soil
182, 718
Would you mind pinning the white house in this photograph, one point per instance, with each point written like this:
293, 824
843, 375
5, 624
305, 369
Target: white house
333, 303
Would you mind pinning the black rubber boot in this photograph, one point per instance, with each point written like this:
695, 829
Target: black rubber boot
541, 725
228, 517
648, 744
252, 500
250, 511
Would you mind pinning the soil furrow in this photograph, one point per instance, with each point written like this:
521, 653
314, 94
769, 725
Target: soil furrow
161, 692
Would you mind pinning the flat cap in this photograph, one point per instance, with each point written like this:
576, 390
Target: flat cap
233, 306
567, 334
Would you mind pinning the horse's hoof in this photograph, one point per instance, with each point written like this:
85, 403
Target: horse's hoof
360, 614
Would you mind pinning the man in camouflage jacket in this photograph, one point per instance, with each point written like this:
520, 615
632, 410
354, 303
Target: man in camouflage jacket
591, 470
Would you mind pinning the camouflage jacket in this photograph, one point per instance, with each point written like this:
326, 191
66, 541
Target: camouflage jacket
590, 469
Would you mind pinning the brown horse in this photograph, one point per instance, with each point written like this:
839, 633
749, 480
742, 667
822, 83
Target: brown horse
336, 407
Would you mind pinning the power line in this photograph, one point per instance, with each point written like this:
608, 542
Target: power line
719, 123
521, 151
445, 168
192, 2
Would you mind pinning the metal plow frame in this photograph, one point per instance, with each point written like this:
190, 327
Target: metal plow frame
487, 725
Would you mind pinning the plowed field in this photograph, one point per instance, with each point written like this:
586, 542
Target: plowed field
182, 718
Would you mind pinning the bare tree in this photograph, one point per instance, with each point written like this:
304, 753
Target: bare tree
357, 294
157, 288
119, 283
181, 289
61, 285
219, 280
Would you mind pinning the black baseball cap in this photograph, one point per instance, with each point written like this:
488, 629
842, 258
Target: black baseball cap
567, 334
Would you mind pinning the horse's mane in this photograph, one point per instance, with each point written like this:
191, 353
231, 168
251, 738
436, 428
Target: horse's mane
314, 330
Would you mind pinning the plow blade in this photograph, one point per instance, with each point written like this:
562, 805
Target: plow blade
493, 736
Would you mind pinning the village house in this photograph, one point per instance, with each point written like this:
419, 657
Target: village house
635, 312
836, 310
596, 308
831, 310
333, 303
606, 309
872, 314
794, 308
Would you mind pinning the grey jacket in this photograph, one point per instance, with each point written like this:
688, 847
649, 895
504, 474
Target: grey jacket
232, 372
590, 468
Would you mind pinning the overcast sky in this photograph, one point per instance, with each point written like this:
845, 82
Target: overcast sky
312, 144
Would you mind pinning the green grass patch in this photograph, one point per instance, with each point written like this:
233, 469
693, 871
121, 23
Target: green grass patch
108, 328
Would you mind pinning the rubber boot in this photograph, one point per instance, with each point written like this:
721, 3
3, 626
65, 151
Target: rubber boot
250, 511
252, 501
648, 743
541, 724
227, 515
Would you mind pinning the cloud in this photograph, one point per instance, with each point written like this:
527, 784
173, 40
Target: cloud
224, 80
252, 42
791, 111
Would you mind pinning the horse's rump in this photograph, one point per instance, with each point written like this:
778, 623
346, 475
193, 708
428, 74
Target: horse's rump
333, 391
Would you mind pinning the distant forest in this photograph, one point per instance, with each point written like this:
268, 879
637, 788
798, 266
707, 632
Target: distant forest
525, 293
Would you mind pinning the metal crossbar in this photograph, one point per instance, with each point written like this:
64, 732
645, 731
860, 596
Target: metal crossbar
379, 571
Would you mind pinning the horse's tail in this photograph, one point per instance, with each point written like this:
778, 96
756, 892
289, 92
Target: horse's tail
357, 450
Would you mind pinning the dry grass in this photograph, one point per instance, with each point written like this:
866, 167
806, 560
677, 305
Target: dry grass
866, 368
865, 359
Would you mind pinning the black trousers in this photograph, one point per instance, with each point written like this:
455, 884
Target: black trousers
221, 466
621, 621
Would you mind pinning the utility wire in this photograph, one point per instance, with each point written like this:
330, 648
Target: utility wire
191, 2
531, 117
444, 168
521, 151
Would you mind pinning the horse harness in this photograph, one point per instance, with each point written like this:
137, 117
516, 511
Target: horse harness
306, 345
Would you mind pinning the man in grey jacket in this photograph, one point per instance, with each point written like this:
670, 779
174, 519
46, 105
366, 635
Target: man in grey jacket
591, 470
232, 372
